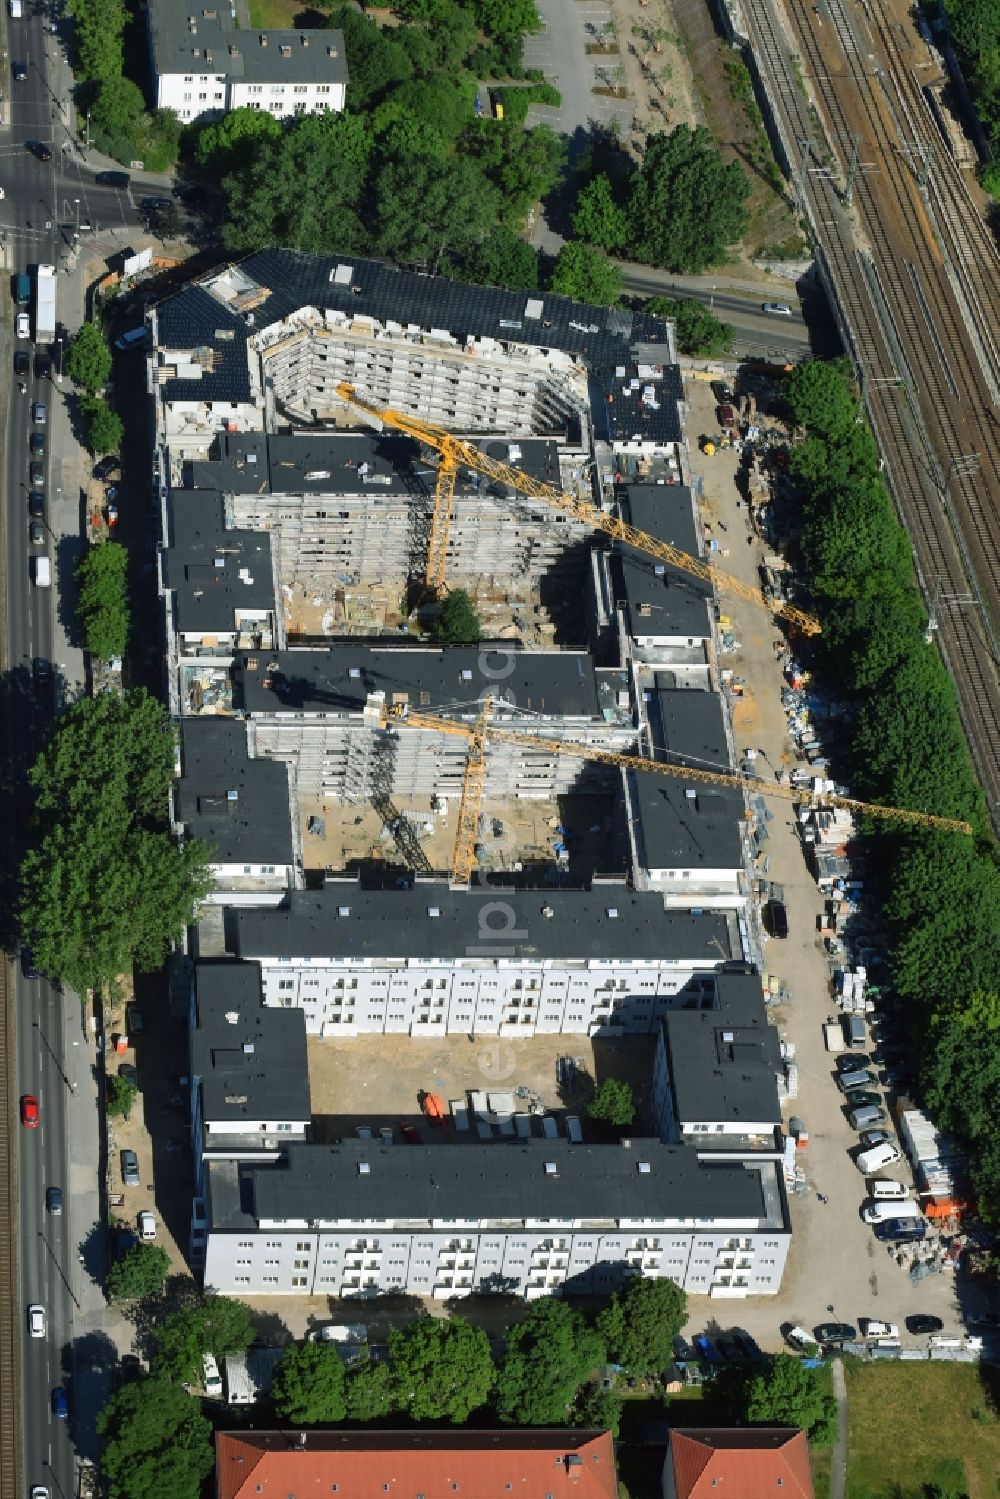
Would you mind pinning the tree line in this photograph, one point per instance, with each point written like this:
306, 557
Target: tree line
939, 892
975, 31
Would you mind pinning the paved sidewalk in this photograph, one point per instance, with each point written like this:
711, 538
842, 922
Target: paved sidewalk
838, 1472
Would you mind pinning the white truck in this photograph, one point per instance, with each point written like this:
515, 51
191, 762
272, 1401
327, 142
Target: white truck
45, 304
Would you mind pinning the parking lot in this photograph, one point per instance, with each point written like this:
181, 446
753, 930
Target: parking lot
836, 1268
378, 1081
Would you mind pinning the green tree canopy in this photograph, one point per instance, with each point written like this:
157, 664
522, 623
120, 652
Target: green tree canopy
223, 145
523, 165
140, 1272
457, 622
821, 398
121, 1094
309, 1385
686, 206
640, 1324
98, 30
104, 426
157, 1443
427, 206
375, 59
612, 1103
598, 1409
213, 1324
88, 362
549, 1356
598, 218
372, 1393
699, 332
787, 1393
504, 259
586, 275
102, 605
118, 107
104, 885
443, 1369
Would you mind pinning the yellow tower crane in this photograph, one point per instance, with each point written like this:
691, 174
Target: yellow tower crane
479, 735
453, 451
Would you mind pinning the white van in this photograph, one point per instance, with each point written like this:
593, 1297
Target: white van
23, 325
881, 1212
883, 1187
43, 572
131, 338
879, 1156
211, 1378
16, 10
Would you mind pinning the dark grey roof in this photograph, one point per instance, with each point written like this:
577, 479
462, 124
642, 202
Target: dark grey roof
724, 1062
639, 402
480, 922
338, 679
689, 728
496, 1181
661, 599
602, 336
322, 462
267, 1082
214, 572
239, 53
239, 806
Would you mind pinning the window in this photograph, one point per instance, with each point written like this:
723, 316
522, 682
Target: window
298, 1282
322, 88
303, 1244
299, 88
286, 983
246, 867
241, 1280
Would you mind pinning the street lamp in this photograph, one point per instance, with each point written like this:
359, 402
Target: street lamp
88, 130
77, 202
59, 344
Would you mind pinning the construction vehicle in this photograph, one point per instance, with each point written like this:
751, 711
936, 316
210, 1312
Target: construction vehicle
455, 451
379, 715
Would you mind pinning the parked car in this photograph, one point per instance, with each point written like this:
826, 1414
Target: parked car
36, 1321
683, 1351
53, 1201
30, 1113
39, 413
776, 919
36, 533
747, 1345
871, 1327
852, 1061
130, 1168
883, 1187
869, 1113
36, 473
28, 963
37, 443
919, 1323
835, 1332
860, 1098
36, 504
147, 1225
871, 1137
22, 362
106, 467
154, 205
60, 1404
901, 1231
850, 1082
707, 1349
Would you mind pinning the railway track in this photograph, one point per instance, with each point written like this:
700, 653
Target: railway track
10, 1298
913, 352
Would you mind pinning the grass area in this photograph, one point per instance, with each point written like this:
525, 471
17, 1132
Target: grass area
916, 1424
275, 12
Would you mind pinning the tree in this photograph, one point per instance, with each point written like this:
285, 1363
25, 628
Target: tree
308, 1387
640, 1324
586, 275
787, 1393
88, 362
157, 1443
599, 1409
699, 332
222, 145
121, 1095
117, 108
372, 1393
821, 398
613, 1102
597, 218
549, 1356
140, 1272
102, 605
504, 259
686, 206
457, 622
427, 205
505, 17
214, 1324
104, 885
104, 426
443, 1369
375, 59
523, 165
98, 29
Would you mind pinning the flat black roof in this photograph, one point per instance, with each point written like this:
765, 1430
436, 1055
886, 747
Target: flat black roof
344, 921
639, 401
214, 572
495, 1181
239, 806
604, 337
724, 1063
251, 1059
661, 599
449, 680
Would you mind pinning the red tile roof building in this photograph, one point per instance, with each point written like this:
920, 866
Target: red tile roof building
763, 1462
535, 1464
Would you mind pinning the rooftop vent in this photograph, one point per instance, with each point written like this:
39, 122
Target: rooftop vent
728, 1036
208, 55
343, 910
548, 912
248, 1048
643, 1168
434, 910
364, 1169
285, 50
263, 38
690, 793
331, 52
232, 1017
354, 672
234, 51
659, 569
613, 913
232, 796
551, 1169
305, 40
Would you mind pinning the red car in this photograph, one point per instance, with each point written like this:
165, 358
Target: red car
30, 1116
